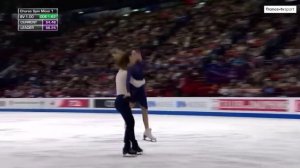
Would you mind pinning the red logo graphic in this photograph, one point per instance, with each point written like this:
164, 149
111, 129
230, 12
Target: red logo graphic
252, 105
297, 104
78, 103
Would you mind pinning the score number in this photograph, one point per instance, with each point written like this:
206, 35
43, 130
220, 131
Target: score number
50, 22
50, 27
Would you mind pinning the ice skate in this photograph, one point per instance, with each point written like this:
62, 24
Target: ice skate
148, 136
128, 152
139, 151
137, 148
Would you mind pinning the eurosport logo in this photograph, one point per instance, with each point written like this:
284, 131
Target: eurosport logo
104, 103
191, 104
78, 103
279, 105
109, 103
180, 104
2, 103
151, 104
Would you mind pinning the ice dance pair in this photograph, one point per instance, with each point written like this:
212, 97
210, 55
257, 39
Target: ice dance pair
130, 90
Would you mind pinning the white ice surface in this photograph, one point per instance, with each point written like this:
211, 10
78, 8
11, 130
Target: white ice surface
66, 140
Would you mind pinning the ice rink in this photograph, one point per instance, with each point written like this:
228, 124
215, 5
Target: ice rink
70, 140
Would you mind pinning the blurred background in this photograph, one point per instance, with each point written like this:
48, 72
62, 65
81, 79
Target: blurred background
192, 48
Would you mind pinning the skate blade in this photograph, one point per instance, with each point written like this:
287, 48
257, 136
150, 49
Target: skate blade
150, 140
129, 155
139, 153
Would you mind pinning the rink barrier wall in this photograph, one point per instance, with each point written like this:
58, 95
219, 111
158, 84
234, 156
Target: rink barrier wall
204, 106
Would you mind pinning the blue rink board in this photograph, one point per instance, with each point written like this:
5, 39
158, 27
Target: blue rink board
186, 113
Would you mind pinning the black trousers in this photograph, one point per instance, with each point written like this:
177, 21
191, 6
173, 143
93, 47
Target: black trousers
122, 105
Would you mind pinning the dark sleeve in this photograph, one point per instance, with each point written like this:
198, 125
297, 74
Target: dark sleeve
138, 71
142, 64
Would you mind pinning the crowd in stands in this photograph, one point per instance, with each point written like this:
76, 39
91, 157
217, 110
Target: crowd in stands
226, 48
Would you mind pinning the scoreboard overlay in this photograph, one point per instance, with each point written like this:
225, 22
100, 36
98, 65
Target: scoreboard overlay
37, 19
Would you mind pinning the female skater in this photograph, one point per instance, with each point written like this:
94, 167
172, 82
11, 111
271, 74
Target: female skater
131, 147
136, 86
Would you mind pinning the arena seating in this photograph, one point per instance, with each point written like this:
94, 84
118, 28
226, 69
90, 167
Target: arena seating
226, 48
